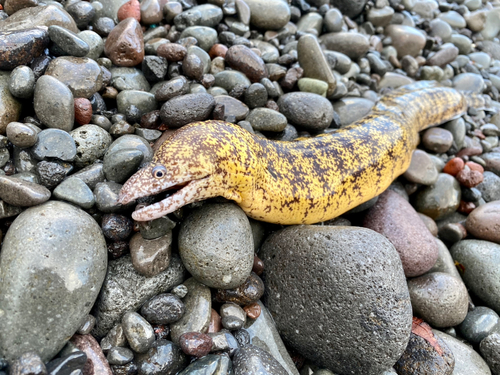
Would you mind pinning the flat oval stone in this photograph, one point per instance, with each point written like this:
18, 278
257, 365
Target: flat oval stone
266, 119
233, 106
268, 14
144, 101
20, 47
22, 82
32, 17
68, 41
340, 255
22, 135
483, 222
441, 199
228, 79
121, 164
54, 103
95, 43
10, 107
206, 36
479, 324
219, 231
21, 193
479, 263
164, 308
182, 110
54, 143
164, 357
150, 257
246, 61
125, 43
130, 141
139, 333
353, 45
75, 191
123, 78
352, 109
406, 39
309, 111
74, 265
422, 169
82, 75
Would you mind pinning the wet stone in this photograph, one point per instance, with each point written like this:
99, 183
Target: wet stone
201, 15
124, 78
268, 15
67, 364
437, 140
310, 111
91, 143
94, 41
68, 41
265, 119
82, 75
490, 187
119, 356
75, 191
478, 324
164, 357
22, 82
352, 109
182, 110
206, 36
246, 61
172, 51
441, 199
115, 337
106, 197
28, 363
233, 107
175, 87
51, 173
96, 361
353, 45
32, 17
87, 325
54, 143
211, 365
121, 164
139, 333
164, 308
251, 359
150, 256
22, 135
154, 68
54, 104
482, 222
125, 43
195, 343
248, 292
422, 169
116, 227
489, 350
21, 46
468, 81
144, 102
229, 79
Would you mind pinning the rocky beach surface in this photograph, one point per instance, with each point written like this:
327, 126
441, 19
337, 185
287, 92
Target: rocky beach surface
406, 283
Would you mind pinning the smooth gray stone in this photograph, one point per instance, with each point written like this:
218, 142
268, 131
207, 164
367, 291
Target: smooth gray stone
490, 350
121, 164
481, 269
445, 262
123, 78
24, 160
198, 303
228, 79
352, 109
95, 43
74, 190
21, 135
54, 103
21, 193
126, 290
91, 175
27, 363
441, 199
54, 143
202, 15
164, 357
269, 53
22, 82
91, 141
219, 231
110, 9
182, 110
467, 361
120, 356
211, 364
68, 364
254, 360
7, 210
140, 335
144, 101
74, 265
268, 14
490, 187
478, 324
351, 8
263, 333
206, 36
106, 197
266, 119
335, 335
68, 41
130, 141
309, 111
48, 15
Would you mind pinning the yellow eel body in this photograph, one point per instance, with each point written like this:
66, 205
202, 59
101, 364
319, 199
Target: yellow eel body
301, 182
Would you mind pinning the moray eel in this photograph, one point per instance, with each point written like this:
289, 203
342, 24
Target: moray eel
300, 182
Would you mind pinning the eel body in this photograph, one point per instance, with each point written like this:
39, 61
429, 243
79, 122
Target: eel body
301, 182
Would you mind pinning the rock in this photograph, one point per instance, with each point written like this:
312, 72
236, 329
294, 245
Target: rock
216, 245
21, 193
151, 257
467, 361
254, 360
144, 102
67, 41
478, 262
306, 110
54, 104
479, 324
76, 244
164, 308
164, 357
268, 15
198, 304
182, 110
438, 140
83, 111
54, 143
445, 262
96, 361
483, 222
247, 293
234, 107
33, 17
28, 363
422, 169
82, 75
352, 109
441, 199
120, 165
393, 217
94, 41
75, 191
175, 87
406, 39
131, 141
246, 61
202, 15
125, 43
68, 363
335, 336
126, 290
353, 45
20, 47
229, 79
468, 81
123, 78
120, 356
490, 187
206, 36
195, 344
439, 298
22, 135
210, 364
139, 333
22, 82
489, 349
10, 107
380, 17
91, 143
12, 6
172, 51
351, 8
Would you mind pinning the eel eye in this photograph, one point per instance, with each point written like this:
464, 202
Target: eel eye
159, 171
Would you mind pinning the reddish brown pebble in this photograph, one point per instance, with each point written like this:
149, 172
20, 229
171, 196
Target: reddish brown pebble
271, 104
248, 292
291, 78
475, 166
253, 310
470, 151
478, 133
469, 178
484, 222
454, 166
217, 50
215, 322
109, 92
130, 9
258, 265
125, 43
466, 207
83, 111
172, 51
1, 7
161, 331
246, 61
195, 343
151, 120
96, 364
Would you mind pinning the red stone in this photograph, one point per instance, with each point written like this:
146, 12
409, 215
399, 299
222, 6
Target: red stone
253, 310
215, 322
466, 207
469, 178
96, 364
83, 111
195, 343
130, 9
475, 166
217, 50
172, 51
454, 166
125, 43
245, 60
258, 265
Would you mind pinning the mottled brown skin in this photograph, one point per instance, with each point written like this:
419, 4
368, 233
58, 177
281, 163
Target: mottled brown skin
300, 182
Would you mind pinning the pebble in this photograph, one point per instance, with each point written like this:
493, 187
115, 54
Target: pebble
96, 361
353, 45
234, 107
123, 78
20, 47
139, 333
28, 363
406, 39
248, 292
422, 169
164, 308
68, 41
478, 262
253, 360
119, 356
10, 107
195, 344
22, 135
196, 318
393, 217
82, 75
468, 81
182, 110
151, 256
245, 60
42, 15
479, 324
443, 56
439, 298
126, 290
220, 232
77, 244
75, 191
125, 44
490, 187
164, 357
21, 193
202, 15
492, 160
87, 325
118, 166
437, 140
154, 68
115, 337
211, 364
54, 143
441, 199
287, 282
489, 350
91, 143
67, 364
229, 79
268, 15
83, 111
352, 109
172, 51
306, 110
482, 222
206, 36
22, 82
